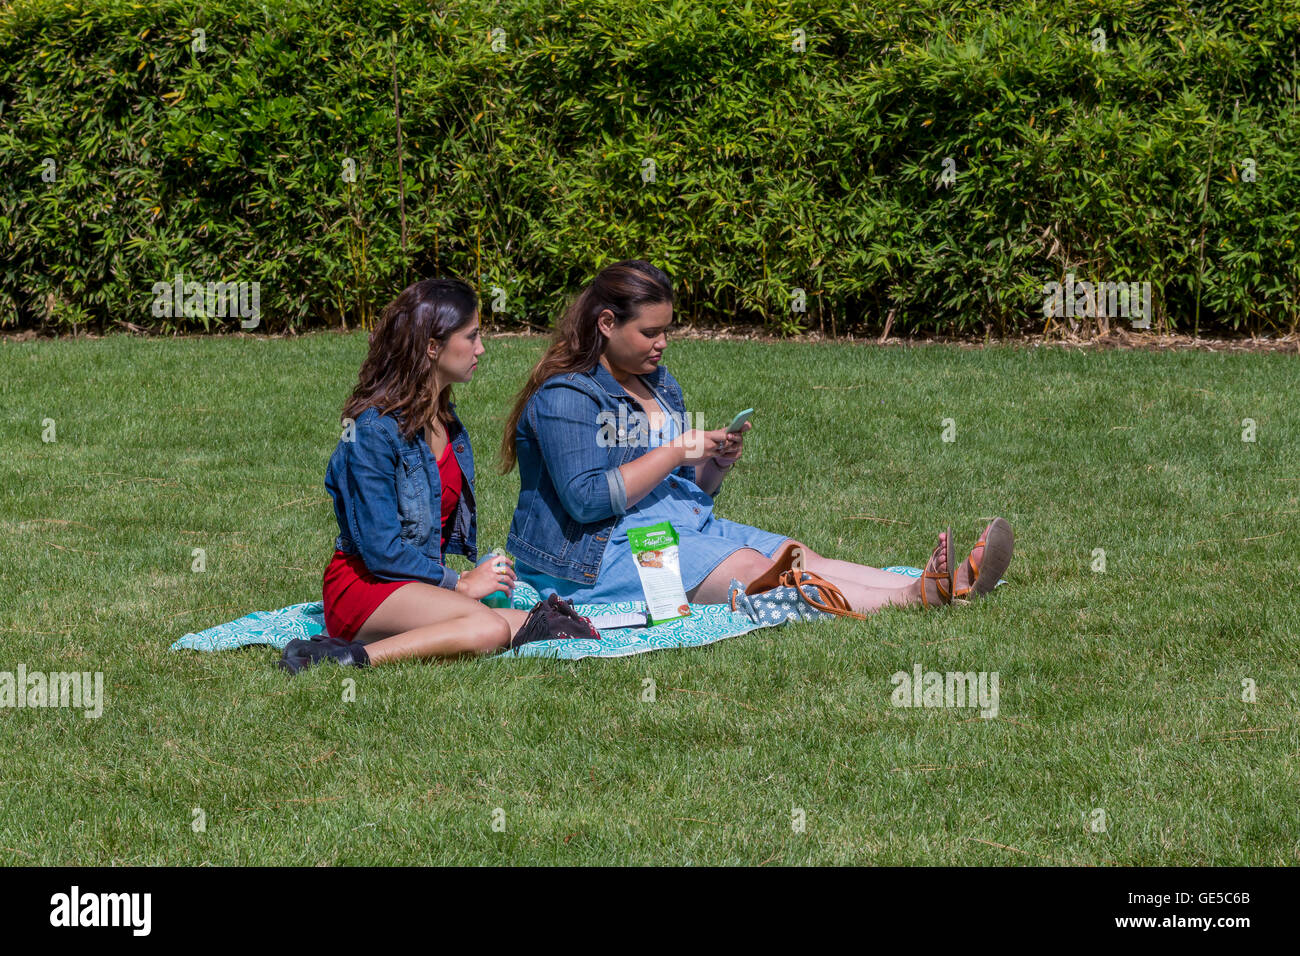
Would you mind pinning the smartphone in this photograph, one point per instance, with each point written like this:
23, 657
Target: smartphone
738, 422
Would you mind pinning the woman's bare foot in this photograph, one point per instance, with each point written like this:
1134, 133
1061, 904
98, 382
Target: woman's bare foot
937, 579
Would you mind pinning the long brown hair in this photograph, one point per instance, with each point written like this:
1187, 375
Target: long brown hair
622, 288
397, 376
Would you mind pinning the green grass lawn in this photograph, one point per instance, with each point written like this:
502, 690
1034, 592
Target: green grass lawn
1121, 690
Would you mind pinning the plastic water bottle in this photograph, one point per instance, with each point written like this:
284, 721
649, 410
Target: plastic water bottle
496, 598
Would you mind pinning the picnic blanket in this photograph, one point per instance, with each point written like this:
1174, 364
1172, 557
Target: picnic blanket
707, 623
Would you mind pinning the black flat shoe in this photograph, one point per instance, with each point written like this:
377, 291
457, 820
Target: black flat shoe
299, 653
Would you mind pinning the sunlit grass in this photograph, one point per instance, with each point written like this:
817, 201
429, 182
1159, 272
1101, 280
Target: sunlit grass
1120, 690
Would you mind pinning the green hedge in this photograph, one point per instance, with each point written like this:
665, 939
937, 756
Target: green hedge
775, 170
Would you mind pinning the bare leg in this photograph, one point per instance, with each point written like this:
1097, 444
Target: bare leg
421, 621
830, 568
865, 598
867, 585
743, 565
514, 617
867, 589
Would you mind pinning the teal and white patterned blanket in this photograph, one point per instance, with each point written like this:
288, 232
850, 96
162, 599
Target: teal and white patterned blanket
707, 623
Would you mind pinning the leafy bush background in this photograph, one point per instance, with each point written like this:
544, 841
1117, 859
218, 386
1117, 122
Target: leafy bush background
522, 168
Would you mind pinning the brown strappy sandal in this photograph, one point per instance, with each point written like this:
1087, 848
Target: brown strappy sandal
943, 582
998, 542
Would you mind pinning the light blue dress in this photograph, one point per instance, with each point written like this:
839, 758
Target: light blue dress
706, 541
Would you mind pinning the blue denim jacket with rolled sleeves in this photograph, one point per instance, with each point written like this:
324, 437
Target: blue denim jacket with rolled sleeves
571, 492
388, 500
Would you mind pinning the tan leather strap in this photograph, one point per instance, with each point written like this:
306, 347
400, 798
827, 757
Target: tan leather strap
975, 565
940, 585
833, 599
790, 556
974, 569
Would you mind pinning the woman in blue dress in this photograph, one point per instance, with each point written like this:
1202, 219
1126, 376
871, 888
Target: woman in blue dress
603, 444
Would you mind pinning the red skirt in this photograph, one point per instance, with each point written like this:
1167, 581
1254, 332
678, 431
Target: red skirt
351, 595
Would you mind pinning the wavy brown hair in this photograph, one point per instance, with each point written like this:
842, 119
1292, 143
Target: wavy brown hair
397, 376
622, 288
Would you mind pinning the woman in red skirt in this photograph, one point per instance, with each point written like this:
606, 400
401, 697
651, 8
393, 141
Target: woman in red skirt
402, 480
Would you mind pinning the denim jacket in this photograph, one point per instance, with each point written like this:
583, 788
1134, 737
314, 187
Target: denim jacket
388, 500
571, 492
